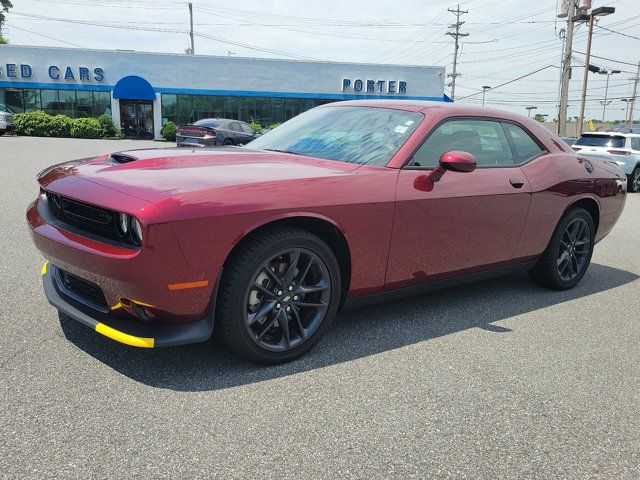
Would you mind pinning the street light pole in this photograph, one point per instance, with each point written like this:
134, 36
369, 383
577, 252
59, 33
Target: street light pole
529, 108
484, 90
608, 73
601, 11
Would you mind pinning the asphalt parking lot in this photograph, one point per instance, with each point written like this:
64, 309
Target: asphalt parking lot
500, 379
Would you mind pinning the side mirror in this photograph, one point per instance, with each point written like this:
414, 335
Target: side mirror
454, 161
457, 161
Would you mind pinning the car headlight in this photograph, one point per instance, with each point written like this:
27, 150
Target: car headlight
136, 229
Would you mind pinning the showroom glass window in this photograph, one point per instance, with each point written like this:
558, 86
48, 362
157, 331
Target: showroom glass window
484, 139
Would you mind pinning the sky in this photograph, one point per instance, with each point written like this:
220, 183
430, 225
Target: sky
507, 39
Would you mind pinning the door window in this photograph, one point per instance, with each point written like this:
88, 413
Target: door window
635, 143
235, 127
246, 129
484, 139
525, 147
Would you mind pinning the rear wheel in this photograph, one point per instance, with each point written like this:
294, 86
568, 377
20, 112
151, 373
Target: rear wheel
633, 184
278, 295
568, 255
227, 142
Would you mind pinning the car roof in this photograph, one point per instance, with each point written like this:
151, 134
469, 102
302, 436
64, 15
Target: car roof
424, 105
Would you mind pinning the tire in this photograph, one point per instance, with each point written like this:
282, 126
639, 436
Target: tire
567, 257
227, 142
633, 183
2, 132
258, 316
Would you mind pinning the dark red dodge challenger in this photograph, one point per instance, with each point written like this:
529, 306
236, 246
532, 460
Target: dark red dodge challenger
347, 203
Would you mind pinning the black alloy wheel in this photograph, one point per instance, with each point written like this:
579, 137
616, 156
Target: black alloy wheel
634, 181
568, 254
574, 249
287, 300
279, 292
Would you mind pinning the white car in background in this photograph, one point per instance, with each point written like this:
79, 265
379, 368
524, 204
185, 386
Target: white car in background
6, 120
622, 148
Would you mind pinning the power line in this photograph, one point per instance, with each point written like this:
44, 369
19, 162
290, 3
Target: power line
511, 81
619, 33
45, 36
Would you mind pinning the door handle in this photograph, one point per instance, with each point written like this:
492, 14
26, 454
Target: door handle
516, 182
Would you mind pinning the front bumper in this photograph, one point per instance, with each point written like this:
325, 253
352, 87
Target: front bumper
129, 332
6, 128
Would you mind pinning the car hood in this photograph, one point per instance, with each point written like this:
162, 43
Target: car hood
156, 174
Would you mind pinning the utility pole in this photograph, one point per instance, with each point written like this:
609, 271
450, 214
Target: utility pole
484, 90
585, 77
632, 100
566, 71
456, 34
601, 12
193, 51
608, 73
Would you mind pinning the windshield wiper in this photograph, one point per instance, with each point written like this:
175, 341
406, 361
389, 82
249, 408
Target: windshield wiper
281, 151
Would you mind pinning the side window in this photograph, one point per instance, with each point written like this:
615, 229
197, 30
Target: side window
484, 139
246, 129
234, 127
525, 147
635, 143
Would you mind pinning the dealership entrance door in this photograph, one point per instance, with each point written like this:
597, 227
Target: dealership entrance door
136, 119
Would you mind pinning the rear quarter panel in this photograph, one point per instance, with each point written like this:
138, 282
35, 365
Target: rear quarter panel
557, 182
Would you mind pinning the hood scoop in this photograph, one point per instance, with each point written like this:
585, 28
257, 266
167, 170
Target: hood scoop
121, 158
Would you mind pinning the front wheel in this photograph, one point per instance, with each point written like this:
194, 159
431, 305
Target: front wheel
568, 255
279, 294
633, 184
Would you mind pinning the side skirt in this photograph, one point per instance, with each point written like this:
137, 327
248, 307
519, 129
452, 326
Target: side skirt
356, 302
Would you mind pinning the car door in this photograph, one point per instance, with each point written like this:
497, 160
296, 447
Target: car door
235, 133
467, 221
248, 133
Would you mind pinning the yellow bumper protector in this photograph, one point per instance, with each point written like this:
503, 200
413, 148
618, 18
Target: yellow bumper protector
43, 271
142, 304
125, 338
116, 306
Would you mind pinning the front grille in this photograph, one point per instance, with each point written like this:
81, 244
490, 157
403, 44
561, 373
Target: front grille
98, 221
82, 290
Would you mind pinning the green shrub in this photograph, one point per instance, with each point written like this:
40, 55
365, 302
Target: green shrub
168, 131
256, 127
33, 124
274, 125
86, 128
109, 128
60, 126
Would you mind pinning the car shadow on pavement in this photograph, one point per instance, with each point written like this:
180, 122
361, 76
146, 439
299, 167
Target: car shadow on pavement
355, 333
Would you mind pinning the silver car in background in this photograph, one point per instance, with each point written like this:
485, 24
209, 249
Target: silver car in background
6, 120
621, 148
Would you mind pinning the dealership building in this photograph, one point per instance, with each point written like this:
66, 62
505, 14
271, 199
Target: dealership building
143, 91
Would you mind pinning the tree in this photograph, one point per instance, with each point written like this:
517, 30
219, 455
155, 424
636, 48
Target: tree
539, 117
5, 5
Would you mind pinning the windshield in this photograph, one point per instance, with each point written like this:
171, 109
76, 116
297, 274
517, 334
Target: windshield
4, 108
363, 135
601, 141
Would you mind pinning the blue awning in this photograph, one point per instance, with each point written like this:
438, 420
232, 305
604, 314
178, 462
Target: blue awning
133, 88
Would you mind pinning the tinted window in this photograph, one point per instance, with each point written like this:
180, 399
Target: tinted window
207, 122
484, 139
363, 135
611, 141
635, 143
525, 147
246, 129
